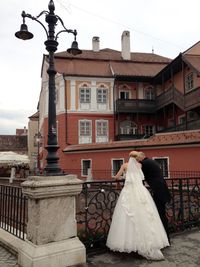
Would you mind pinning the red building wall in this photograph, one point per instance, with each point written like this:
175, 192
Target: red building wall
182, 159
72, 123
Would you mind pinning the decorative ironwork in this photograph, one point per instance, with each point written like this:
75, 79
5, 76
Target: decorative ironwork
94, 211
184, 209
97, 200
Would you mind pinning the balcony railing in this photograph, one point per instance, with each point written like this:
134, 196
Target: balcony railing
131, 136
135, 106
170, 96
186, 102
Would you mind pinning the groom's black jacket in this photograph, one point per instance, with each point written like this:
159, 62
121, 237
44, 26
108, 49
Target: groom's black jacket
154, 177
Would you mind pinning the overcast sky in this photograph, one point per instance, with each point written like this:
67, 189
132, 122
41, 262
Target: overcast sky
167, 27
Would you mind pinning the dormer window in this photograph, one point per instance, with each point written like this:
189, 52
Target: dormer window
189, 83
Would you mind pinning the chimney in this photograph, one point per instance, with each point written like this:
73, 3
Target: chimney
95, 44
125, 40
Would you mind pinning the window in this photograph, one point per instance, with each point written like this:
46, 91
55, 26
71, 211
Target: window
124, 95
163, 162
148, 129
85, 95
149, 94
102, 96
116, 164
85, 132
86, 164
189, 82
128, 127
101, 131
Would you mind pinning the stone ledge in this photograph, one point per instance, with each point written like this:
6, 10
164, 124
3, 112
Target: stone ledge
63, 253
38, 187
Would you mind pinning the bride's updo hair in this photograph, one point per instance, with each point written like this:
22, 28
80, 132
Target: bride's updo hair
133, 154
138, 155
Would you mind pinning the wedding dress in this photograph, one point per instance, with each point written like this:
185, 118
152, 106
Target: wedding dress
136, 225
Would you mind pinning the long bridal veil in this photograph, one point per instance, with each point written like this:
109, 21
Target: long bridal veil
136, 225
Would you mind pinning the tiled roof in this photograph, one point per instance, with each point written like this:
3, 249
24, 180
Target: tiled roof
108, 62
193, 60
35, 115
172, 139
83, 68
110, 54
136, 69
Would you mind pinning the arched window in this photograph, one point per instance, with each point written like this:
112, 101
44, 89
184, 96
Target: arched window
128, 127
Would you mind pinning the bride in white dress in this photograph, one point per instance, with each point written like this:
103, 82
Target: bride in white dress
136, 225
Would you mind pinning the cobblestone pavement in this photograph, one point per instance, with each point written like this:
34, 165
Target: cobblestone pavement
7, 259
184, 252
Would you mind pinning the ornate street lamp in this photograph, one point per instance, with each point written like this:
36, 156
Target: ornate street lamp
52, 166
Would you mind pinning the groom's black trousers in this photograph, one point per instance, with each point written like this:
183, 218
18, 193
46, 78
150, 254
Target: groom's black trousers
161, 207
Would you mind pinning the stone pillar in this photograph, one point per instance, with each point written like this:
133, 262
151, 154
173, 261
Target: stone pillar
51, 231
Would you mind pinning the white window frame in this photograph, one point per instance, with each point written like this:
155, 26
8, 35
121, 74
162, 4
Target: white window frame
85, 138
128, 127
102, 95
86, 94
100, 138
85, 97
126, 94
148, 131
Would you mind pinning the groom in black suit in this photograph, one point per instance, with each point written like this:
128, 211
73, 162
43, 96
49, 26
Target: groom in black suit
154, 177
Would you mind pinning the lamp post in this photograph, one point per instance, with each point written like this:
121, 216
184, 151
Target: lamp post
52, 166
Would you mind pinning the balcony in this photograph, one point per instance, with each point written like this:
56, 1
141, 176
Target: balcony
170, 96
135, 106
192, 99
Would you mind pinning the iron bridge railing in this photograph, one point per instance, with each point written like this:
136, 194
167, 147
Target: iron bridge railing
97, 201
13, 210
95, 205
